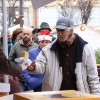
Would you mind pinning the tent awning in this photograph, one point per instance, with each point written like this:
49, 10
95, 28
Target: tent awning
39, 3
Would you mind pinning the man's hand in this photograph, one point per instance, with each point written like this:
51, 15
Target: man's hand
32, 66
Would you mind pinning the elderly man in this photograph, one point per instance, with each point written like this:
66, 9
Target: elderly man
24, 44
68, 63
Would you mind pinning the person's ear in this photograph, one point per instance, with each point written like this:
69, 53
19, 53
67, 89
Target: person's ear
71, 31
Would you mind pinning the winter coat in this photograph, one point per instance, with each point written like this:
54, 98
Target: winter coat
8, 67
48, 62
18, 47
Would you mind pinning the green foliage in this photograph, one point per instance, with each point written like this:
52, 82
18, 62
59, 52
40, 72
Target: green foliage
97, 54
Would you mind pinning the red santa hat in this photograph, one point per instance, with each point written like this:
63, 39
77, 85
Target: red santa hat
45, 35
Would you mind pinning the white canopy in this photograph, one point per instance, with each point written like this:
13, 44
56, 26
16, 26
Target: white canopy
90, 35
11, 29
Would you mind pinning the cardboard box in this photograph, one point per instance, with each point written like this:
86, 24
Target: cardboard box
55, 95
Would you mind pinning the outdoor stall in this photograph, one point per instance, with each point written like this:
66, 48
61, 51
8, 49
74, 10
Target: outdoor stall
55, 95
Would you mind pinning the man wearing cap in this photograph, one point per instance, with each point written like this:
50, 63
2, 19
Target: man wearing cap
68, 63
34, 81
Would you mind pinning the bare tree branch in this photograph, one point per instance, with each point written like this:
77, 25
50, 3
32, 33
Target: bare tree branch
66, 9
84, 6
11, 10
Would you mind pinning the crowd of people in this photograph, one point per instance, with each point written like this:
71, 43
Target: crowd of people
63, 63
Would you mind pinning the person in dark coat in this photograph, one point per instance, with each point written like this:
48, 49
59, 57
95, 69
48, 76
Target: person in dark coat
8, 67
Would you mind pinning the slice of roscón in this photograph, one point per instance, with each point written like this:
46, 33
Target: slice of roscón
25, 54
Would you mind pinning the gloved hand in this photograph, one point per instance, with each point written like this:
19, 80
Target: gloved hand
23, 62
32, 66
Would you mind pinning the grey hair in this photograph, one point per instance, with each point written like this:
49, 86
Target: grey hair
70, 28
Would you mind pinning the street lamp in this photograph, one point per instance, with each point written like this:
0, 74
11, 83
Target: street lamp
74, 3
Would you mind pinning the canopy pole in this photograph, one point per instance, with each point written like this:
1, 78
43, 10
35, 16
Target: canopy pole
21, 13
5, 41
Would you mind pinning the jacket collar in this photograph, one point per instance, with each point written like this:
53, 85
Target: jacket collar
79, 49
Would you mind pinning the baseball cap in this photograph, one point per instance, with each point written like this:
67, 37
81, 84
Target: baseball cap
64, 22
44, 25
